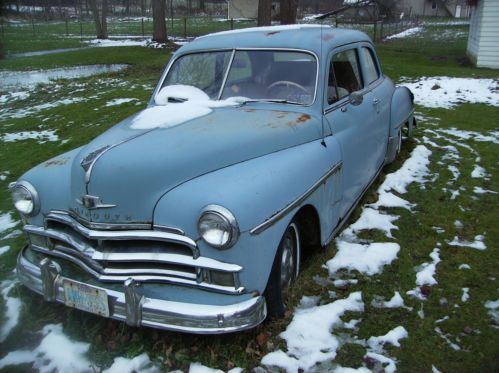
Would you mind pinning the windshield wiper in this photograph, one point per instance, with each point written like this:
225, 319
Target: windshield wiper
272, 100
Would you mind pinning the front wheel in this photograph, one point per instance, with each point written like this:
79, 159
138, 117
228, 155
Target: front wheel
284, 271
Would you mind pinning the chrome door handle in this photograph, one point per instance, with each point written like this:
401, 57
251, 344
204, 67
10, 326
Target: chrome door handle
376, 101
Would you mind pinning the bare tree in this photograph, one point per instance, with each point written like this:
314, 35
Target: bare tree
288, 11
158, 21
264, 12
99, 17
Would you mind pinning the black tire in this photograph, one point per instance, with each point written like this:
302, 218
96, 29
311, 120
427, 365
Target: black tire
284, 271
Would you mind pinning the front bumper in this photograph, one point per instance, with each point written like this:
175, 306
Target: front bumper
137, 310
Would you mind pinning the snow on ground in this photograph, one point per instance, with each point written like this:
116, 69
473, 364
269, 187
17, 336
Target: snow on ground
493, 136
25, 112
309, 336
493, 310
425, 275
409, 32
395, 302
480, 190
124, 43
446, 92
478, 172
466, 295
365, 258
40, 136
13, 309
372, 219
476, 244
55, 353
446, 338
140, 363
464, 266
392, 337
6, 222
4, 249
4, 175
119, 101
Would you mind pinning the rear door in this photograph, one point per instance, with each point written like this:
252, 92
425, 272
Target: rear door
351, 117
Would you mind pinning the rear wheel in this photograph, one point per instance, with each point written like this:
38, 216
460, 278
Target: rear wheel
284, 271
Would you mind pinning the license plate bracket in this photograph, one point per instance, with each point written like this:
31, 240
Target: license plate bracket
85, 297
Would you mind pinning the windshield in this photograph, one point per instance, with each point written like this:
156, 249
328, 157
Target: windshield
261, 75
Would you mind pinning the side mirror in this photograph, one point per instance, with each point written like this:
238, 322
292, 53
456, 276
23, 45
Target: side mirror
356, 98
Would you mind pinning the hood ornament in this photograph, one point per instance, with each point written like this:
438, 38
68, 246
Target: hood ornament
93, 202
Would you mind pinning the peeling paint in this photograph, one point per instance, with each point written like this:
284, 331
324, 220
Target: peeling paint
56, 162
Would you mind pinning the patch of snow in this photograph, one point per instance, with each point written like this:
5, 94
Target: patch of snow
13, 310
309, 301
480, 190
41, 136
478, 172
166, 115
4, 249
434, 370
446, 338
6, 222
4, 175
438, 230
390, 200
445, 318
390, 366
309, 336
371, 219
464, 266
119, 101
392, 337
466, 295
455, 172
446, 92
414, 169
493, 136
13, 234
426, 272
493, 307
395, 302
458, 224
365, 258
477, 244
140, 363
340, 369
409, 32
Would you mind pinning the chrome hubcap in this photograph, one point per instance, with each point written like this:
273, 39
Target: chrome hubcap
287, 263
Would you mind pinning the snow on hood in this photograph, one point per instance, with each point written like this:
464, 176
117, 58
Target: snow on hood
167, 114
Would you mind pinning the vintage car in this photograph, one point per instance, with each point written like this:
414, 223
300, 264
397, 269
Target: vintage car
193, 214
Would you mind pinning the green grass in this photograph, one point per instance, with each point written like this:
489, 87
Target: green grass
412, 57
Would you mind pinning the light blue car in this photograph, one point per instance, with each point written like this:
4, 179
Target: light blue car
193, 214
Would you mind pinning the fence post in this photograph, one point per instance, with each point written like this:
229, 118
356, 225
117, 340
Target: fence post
232, 23
3, 32
33, 25
185, 27
374, 31
67, 28
381, 30
81, 30
142, 22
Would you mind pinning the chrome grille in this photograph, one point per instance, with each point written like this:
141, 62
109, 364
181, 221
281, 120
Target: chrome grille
144, 255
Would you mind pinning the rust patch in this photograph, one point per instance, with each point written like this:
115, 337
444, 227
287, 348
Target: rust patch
56, 162
272, 33
282, 114
303, 118
327, 37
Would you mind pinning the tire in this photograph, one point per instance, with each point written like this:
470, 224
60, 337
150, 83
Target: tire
284, 271
399, 143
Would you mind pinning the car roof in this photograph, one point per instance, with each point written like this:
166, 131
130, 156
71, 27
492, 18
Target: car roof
311, 37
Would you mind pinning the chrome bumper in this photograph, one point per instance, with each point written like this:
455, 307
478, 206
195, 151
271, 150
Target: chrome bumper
136, 310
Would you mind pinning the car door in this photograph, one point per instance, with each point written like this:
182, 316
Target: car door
351, 119
378, 93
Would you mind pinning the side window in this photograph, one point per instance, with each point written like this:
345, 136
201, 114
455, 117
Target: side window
344, 75
372, 72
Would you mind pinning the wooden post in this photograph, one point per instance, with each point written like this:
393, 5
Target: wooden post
81, 30
185, 27
67, 28
33, 25
381, 31
232, 23
142, 23
374, 32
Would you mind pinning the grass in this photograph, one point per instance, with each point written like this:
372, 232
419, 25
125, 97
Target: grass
411, 57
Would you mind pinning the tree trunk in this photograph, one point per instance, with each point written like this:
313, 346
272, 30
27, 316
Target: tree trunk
100, 22
127, 8
158, 21
264, 12
288, 11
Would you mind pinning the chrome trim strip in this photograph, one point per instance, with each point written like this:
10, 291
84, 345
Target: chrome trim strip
176, 57
226, 75
163, 314
124, 235
141, 278
103, 226
96, 254
281, 213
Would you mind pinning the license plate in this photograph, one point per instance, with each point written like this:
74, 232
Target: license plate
86, 298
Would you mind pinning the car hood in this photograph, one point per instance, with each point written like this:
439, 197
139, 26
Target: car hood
131, 169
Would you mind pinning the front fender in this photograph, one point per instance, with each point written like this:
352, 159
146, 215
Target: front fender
402, 109
253, 191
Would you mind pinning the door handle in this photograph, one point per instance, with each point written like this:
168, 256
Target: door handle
376, 101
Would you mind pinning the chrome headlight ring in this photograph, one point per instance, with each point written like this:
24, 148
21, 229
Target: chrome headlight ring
218, 227
25, 198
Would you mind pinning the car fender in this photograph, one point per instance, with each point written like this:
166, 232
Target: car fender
253, 191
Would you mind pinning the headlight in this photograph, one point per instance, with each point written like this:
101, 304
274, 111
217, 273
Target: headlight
218, 227
25, 198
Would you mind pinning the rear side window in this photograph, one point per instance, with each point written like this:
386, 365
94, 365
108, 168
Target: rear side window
372, 73
344, 75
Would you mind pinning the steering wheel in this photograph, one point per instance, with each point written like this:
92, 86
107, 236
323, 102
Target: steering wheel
287, 83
